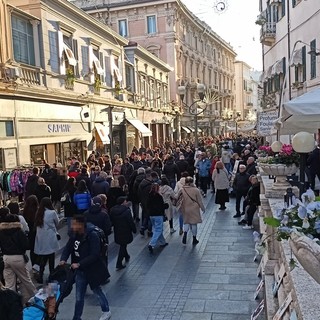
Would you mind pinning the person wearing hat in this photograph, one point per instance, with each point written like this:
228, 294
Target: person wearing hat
124, 226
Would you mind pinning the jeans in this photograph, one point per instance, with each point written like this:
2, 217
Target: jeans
81, 288
157, 229
228, 166
172, 183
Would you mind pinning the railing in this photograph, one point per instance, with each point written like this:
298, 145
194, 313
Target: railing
268, 33
30, 76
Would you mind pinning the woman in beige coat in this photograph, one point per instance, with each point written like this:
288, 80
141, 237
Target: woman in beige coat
191, 203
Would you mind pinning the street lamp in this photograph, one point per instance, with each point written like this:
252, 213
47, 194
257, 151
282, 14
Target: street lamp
303, 143
194, 111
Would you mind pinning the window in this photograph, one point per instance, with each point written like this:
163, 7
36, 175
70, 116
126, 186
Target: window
23, 42
313, 59
304, 65
151, 24
283, 8
123, 28
6, 129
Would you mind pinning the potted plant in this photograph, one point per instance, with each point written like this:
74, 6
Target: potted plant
97, 83
280, 164
70, 77
300, 224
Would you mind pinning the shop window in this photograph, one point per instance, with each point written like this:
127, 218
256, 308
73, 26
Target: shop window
23, 42
6, 129
38, 154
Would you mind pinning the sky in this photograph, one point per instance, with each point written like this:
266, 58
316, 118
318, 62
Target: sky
236, 25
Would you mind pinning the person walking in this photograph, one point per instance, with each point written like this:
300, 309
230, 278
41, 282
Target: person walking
167, 194
46, 242
156, 208
203, 166
171, 171
177, 189
241, 185
190, 207
70, 209
220, 176
13, 244
42, 190
90, 266
29, 212
124, 226
100, 185
82, 197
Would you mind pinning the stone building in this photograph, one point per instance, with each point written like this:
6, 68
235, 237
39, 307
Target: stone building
197, 54
67, 85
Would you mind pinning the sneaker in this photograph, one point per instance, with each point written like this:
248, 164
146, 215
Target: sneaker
246, 227
241, 222
122, 266
238, 215
105, 315
172, 230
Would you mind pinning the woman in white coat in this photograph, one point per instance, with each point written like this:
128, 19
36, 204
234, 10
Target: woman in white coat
167, 194
46, 243
220, 176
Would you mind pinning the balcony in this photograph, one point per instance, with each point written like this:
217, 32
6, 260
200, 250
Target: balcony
268, 33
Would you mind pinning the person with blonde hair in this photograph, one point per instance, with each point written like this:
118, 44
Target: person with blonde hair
220, 176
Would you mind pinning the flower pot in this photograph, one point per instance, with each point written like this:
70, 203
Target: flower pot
280, 171
307, 253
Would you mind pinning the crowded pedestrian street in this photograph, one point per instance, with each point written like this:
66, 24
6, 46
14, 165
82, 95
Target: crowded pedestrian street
214, 280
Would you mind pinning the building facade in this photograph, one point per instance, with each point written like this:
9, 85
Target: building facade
290, 41
167, 29
67, 87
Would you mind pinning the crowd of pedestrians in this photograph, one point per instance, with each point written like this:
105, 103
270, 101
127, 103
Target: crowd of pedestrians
141, 192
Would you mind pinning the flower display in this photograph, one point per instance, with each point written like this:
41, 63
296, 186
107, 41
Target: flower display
286, 156
302, 217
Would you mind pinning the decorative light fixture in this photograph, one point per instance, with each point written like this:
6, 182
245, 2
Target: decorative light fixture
303, 143
276, 146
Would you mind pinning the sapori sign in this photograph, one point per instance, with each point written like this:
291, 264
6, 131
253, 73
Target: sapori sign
266, 123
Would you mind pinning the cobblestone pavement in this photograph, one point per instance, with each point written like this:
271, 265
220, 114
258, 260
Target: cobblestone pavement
215, 279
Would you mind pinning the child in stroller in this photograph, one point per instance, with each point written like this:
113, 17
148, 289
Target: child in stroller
45, 304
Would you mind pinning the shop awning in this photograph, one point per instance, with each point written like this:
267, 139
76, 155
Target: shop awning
192, 129
103, 133
185, 129
144, 130
69, 54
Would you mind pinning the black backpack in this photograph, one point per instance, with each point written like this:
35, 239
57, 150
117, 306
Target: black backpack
103, 241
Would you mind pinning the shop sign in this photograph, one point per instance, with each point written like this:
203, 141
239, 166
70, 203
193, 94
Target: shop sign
59, 127
10, 158
266, 122
42, 129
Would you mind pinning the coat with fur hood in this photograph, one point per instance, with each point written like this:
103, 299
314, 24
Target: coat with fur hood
13, 240
191, 204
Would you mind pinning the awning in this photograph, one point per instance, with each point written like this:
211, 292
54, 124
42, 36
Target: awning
103, 133
199, 130
277, 68
144, 130
192, 129
268, 73
97, 65
69, 54
187, 130
296, 58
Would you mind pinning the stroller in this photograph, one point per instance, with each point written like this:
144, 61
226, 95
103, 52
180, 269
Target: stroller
45, 304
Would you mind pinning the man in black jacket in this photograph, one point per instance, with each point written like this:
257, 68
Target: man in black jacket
84, 248
241, 185
171, 171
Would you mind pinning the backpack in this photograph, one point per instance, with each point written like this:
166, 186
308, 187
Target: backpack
103, 241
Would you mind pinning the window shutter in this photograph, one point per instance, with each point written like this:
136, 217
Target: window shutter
85, 62
304, 65
76, 55
54, 51
108, 75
